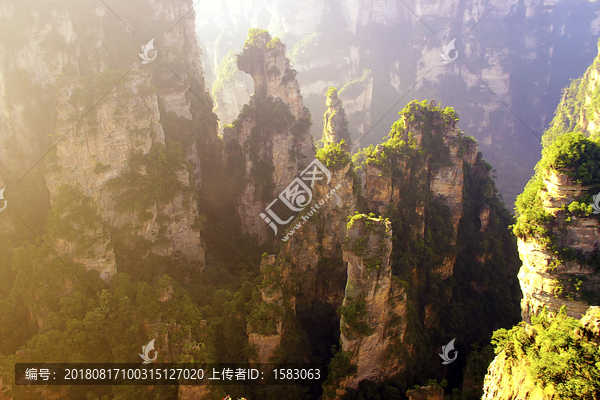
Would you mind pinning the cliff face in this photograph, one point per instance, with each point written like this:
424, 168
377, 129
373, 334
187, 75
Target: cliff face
374, 312
272, 132
99, 122
558, 239
334, 42
579, 105
444, 179
310, 260
268, 338
548, 280
89, 159
335, 127
426, 179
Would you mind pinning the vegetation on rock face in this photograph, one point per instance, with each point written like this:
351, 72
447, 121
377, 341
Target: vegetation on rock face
206, 315
158, 183
258, 41
557, 354
334, 155
353, 88
270, 117
227, 69
571, 154
483, 286
573, 114
401, 141
340, 367
574, 155
532, 218
335, 123
353, 312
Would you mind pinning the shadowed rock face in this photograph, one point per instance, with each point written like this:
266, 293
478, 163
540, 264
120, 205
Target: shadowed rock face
280, 152
374, 317
266, 344
445, 182
310, 260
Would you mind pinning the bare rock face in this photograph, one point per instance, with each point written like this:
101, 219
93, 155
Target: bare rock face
374, 311
265, 60
591, 323
316, 235
272, 132
446, 181
98, 118
335, 127
378, 188
318, 232
546, 279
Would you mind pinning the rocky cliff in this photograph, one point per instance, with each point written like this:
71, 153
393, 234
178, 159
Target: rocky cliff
549, 279
334, 42
558, 243
423, 128
579, 105
102, 157
310, 261
527, 368
107, 140
426, 178
335, 127
374, 311
272, 133
265, 330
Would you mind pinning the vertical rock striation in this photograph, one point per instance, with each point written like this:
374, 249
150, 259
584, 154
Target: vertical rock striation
310, 259
424, 129
547, 278
374, 311
105, 119
335, 128
558, 241
273, 131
